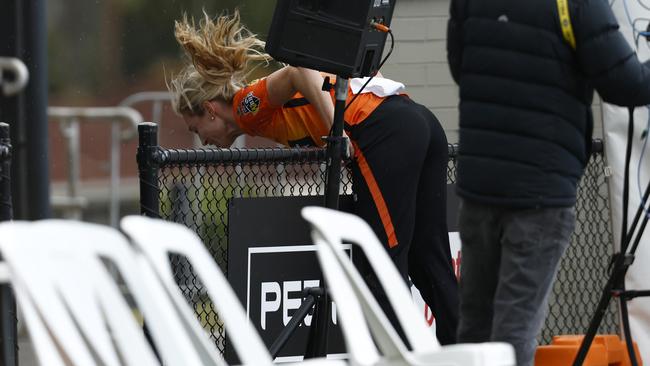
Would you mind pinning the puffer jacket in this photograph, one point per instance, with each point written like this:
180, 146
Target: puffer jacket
526, 95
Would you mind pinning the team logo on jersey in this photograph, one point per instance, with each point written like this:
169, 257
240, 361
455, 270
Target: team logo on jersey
250, 104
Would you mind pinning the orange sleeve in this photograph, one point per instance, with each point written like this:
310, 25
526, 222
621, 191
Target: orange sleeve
252, 109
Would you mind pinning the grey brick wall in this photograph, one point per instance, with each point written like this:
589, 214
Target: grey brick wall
420, 61
420, 58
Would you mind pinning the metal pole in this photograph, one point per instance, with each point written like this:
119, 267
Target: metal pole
148, 169
8, 320
36, 183
335, 146
114, 208
294, 323
317, 346
149, 198
72, 135
23, 35
12, 107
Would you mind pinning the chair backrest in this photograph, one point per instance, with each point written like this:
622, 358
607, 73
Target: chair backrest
62, 264
44, 346
336, 227
158, 239
329, 229
80, 306
352, 315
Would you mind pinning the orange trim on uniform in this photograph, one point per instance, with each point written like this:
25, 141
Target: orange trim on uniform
377, 197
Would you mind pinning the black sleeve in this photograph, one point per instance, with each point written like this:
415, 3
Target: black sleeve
605, 57
455, 39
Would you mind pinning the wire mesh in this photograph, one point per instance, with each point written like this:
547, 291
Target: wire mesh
194, 189
197, 194
584, 268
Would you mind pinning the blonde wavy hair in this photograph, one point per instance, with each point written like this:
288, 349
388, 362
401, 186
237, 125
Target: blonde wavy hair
220, 52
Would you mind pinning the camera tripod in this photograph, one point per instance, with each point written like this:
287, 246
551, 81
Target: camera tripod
621, 262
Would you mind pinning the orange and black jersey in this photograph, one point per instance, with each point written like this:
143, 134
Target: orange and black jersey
296, 123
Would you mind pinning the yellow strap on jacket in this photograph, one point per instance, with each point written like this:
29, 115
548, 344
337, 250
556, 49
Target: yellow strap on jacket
565, 22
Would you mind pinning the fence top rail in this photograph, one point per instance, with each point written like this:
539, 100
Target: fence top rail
124, 114
147, 96
217, 156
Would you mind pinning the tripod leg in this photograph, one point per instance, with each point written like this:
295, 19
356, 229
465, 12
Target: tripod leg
601, 309
625, 318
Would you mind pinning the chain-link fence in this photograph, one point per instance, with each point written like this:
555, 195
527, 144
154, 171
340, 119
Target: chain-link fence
197, 195
584, 267
193, 188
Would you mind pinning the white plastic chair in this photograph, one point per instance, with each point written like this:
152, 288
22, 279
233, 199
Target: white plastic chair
44, 345
329, 229
158, 239
72, 298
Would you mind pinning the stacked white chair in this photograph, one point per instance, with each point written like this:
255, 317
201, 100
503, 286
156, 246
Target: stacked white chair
77, 314
158, 239
74, 309
361, 314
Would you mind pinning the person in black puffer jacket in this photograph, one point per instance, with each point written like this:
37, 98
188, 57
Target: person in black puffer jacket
526, 91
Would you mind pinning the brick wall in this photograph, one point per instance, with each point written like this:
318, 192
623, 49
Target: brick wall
420, 58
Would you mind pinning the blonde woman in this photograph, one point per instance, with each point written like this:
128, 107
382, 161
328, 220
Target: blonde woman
400, 149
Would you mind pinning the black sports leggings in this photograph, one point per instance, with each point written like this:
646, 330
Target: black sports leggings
400, 182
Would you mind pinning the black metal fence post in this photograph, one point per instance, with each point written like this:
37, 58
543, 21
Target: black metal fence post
149, 195
8, 320
148, 169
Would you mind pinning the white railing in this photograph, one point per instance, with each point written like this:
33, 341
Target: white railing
156, 98
69, 119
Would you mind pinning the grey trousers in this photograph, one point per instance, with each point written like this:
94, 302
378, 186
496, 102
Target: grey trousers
509, 261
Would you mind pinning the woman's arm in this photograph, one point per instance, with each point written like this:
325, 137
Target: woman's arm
284, 83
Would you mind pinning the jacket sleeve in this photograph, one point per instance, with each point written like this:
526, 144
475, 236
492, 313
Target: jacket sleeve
455, 39
605, 57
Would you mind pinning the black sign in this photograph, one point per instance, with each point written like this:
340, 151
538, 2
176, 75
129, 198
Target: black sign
270, 260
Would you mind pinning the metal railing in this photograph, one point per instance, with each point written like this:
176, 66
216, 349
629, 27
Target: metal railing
69, 120
156, 98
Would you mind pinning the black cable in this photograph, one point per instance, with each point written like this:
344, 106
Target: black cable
624, 242
626, 180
